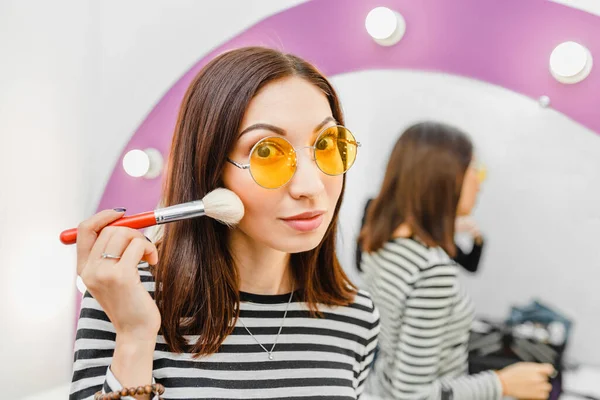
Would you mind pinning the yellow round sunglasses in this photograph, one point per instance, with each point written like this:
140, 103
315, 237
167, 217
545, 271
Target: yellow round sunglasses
272, 161
480, 169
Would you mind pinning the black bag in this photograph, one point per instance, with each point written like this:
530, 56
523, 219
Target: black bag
535, 333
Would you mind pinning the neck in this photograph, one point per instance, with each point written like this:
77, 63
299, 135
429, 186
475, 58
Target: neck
403, 231
261, 269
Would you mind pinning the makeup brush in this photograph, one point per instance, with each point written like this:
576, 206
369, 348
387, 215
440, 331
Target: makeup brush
221, 204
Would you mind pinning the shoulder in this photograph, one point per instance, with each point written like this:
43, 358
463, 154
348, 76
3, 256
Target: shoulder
364, 303
440, 273
364, 300
439, 262
401, 256
359, 312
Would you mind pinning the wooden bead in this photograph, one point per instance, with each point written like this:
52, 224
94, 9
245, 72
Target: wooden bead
147, 389
160, 389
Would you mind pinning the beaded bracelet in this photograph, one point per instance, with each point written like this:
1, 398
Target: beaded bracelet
156, 388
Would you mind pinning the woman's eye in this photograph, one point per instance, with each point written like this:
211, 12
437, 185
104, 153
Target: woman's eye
266, 150
325, 143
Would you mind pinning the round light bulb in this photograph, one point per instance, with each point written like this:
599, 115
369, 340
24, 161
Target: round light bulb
385, 26
156, 163
136, 163
570, 62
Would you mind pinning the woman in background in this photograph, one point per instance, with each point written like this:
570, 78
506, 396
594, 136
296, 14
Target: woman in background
408, 242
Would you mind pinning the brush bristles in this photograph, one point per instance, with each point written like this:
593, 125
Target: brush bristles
224, 206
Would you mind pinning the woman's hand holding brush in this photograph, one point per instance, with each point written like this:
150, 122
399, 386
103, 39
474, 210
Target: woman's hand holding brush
109, 249
107, 261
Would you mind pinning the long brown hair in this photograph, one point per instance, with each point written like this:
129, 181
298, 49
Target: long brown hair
197, 284
421, 187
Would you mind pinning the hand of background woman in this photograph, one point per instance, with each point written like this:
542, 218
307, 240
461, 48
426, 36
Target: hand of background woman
468, 225
526, 380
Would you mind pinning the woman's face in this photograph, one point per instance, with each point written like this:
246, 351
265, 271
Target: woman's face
294, 217
469, 191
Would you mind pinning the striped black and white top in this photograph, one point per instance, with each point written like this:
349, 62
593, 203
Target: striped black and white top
425, 323
315, 358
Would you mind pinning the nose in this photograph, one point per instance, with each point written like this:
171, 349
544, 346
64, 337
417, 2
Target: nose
307, 181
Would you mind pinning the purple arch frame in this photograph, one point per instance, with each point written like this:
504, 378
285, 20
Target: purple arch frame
506, 43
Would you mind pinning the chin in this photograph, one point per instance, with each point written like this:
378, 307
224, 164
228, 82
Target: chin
296, 242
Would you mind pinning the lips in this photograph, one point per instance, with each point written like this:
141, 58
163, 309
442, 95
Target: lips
305, 215
305, 222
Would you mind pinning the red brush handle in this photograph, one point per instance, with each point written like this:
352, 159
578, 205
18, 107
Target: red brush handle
138, 221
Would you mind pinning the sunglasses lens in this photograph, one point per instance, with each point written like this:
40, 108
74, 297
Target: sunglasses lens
480, 170
272, 162
335, 150
482, 174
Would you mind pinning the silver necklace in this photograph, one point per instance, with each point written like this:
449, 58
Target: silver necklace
270, 353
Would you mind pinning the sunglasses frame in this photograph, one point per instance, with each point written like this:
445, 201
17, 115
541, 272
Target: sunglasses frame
313, 148
480, 169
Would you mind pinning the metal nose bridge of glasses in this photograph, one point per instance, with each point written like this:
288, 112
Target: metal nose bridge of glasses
296, 150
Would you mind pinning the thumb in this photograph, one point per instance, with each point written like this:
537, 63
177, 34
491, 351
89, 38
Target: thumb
547, 369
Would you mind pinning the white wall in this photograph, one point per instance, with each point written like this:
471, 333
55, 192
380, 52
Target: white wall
539, 208
43, 63
590, 6
76, 79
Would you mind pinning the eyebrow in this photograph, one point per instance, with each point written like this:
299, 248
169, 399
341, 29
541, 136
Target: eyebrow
281, 131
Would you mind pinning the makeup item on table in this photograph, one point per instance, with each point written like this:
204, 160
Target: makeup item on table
221, 204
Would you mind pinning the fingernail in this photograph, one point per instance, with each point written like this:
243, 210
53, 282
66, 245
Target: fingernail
148, 239
120, 209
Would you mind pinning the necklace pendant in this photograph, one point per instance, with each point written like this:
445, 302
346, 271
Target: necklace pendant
270, 356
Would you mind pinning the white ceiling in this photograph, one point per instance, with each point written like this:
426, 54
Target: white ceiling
591, 6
